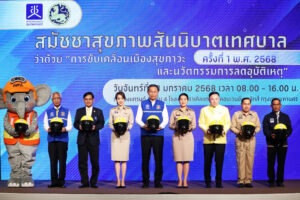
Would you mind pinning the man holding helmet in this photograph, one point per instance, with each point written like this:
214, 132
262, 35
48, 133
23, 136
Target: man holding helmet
150, 112
276, 147
57, 122
214, 143
245, 124
88, 121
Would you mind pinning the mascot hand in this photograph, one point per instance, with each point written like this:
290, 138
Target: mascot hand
28, 133
13, 133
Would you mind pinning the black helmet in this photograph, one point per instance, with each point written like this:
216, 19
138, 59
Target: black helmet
56, 125
280, 130
153, 123
183, 124
87, 123
21, 126
216, 127
248, 129
120, 126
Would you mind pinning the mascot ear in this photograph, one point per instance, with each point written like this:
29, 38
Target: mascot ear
2, 104
43, 92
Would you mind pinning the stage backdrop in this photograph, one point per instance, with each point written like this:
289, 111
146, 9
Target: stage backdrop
239, 48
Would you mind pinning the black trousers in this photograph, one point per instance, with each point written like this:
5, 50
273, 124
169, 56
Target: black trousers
156, 143
83, 152
272, 152
58, 152
209, 151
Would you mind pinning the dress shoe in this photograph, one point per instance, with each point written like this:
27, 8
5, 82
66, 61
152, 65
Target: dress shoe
280, 184
248, 185
219, 185
145, 185
94, 186
158, 185
271, 184
241, 185
208, 185
83, 186
52, 186
61, 186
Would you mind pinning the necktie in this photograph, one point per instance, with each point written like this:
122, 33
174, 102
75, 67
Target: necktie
89, 111
57, 112
277, 114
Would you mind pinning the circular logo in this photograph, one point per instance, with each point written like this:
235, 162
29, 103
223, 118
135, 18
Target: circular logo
59, 14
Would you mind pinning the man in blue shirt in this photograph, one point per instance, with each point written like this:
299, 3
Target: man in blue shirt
58, 142
152, 139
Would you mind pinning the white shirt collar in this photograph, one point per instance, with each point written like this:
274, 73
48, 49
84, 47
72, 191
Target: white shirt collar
152, 102
57, 107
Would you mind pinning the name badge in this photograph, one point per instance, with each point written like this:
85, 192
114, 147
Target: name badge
272, 120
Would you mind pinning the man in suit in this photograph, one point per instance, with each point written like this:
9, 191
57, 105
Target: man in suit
88, 141
274, 149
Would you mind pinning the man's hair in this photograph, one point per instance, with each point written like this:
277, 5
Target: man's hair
274, 99
56, 93
88, 93
212, 93
153, 85
246, 98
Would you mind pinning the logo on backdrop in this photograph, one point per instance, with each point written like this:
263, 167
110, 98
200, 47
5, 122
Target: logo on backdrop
59, 14
34, 14
34, 11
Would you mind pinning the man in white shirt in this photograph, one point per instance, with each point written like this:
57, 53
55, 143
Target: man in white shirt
152, 139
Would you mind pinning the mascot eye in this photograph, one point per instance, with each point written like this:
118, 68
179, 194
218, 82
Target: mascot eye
13, 99
26, 98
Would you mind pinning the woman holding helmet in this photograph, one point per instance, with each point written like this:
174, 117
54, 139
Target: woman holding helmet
120, 121
183, 120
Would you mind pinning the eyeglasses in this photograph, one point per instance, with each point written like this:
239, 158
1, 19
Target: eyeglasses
18, 79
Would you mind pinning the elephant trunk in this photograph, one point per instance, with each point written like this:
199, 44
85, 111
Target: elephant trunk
21, 109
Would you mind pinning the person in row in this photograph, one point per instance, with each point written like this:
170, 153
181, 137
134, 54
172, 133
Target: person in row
88, 139
245, 144
214, 143
276, 146
57, 139
120, 122
183, 139
152, 137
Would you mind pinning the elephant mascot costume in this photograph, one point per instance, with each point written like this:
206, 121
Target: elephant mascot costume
21, 133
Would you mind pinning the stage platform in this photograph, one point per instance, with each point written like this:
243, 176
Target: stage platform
196, 190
